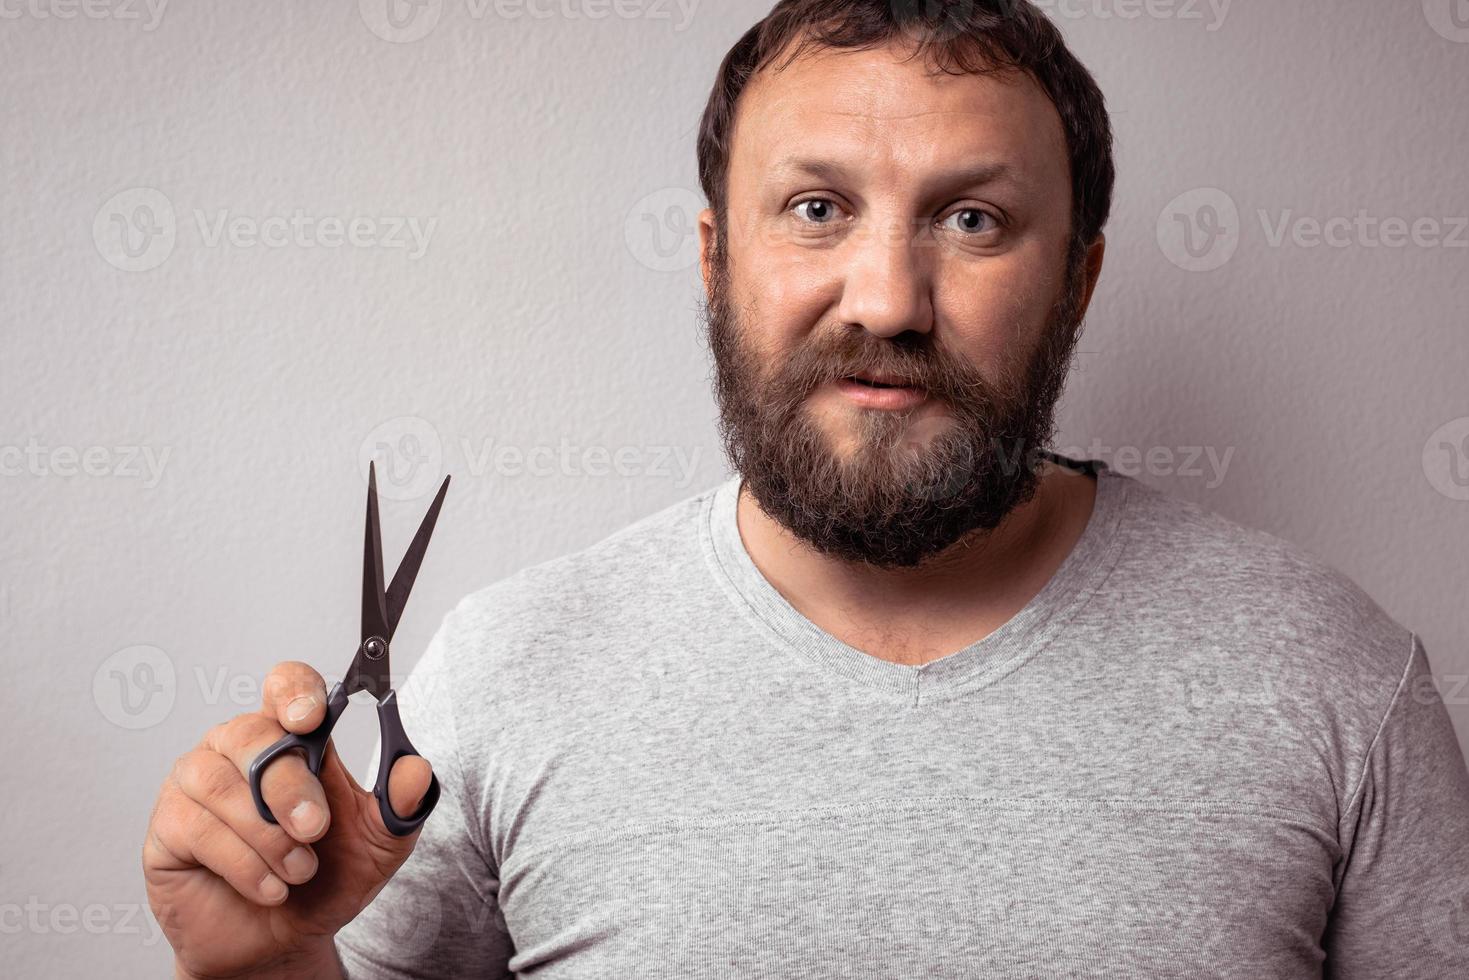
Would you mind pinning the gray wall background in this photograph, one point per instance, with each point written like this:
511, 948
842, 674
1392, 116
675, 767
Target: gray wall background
196, 364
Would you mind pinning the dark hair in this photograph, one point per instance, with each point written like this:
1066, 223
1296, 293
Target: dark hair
958, 37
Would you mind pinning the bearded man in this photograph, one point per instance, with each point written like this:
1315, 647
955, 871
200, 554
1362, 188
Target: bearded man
909, 694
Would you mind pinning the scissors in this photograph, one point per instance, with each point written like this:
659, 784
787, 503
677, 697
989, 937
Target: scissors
370, 671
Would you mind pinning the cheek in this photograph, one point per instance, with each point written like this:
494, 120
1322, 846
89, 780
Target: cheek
786, 294
993, 308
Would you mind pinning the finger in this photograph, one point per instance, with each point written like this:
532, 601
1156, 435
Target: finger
294, 695
293, 794
343, 790
186, 835
408, 784
216, 784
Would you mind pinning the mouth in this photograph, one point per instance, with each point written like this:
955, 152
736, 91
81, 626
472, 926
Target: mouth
882, 391
875, 380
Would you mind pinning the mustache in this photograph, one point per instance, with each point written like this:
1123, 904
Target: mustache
920, 363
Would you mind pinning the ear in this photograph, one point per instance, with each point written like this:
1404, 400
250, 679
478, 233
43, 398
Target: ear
706, 243
1093, 263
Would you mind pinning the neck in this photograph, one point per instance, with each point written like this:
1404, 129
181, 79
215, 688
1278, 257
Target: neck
918, 614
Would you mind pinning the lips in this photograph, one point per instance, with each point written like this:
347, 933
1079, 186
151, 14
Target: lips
875, 379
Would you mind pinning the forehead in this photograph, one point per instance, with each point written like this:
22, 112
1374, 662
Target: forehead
885, 111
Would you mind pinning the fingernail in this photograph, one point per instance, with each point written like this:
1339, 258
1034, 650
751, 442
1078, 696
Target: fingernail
272, 889
300, 707
308, 818
300, 864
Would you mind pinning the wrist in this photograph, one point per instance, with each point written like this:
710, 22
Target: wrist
316, 962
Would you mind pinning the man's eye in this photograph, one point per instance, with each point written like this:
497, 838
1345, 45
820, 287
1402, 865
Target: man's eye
819, 210
973, 221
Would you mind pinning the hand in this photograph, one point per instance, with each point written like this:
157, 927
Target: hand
236, 894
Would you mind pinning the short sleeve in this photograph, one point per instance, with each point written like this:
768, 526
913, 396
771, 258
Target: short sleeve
1402, 904
439, 915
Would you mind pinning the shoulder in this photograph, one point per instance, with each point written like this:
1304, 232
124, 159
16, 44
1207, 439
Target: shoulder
1264, 603
544, 618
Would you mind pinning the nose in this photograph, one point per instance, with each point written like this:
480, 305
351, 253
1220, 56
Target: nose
886, 290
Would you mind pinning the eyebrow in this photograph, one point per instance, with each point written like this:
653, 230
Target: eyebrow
969, 176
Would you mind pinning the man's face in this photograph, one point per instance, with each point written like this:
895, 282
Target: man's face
890, 226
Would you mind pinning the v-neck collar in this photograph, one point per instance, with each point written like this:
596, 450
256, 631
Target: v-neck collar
1022, 636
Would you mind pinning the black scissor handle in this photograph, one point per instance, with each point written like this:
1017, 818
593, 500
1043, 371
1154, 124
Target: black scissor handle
314, 742
395, 747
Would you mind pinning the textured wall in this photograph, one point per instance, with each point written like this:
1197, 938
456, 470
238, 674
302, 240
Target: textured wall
245, 246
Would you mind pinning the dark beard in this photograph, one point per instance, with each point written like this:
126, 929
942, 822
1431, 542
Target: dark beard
887, 504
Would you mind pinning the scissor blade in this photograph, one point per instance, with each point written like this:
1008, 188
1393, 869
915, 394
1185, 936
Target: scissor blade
412, 559
374, 603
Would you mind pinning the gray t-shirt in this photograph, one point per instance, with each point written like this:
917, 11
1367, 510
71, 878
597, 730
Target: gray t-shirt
1198, 752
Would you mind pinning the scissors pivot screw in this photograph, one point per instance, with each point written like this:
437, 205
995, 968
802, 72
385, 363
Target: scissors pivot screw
375, 648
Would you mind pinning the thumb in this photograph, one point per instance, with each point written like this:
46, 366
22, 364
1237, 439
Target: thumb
408, 783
